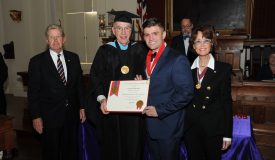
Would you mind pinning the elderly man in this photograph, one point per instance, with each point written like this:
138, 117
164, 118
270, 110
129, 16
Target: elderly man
55, 97
121, 134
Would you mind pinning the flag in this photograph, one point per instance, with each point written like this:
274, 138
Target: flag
142, 10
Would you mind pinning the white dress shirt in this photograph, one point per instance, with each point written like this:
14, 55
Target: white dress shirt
55, 57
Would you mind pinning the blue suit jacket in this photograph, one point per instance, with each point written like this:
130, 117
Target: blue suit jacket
171, 89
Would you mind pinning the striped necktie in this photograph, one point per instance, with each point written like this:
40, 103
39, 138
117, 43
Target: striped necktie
61, 70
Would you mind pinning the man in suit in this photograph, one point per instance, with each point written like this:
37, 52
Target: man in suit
55, 94
170, 91
3, 78
181, 42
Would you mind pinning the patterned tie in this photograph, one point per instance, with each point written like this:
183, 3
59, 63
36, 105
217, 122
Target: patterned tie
61, 70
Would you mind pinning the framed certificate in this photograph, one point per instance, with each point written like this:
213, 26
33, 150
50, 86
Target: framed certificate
128, 96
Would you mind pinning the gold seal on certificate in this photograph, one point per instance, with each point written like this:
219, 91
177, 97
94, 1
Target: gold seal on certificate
124, 69
139, 104
198, 86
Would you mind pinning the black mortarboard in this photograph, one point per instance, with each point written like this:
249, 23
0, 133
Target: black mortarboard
123, 16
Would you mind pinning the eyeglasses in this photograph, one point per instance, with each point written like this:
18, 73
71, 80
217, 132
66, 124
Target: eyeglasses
187, 26
203, 42
126, 29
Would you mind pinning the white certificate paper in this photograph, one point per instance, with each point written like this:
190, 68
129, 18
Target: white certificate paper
128, 96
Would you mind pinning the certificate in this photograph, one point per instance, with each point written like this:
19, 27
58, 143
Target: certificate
128, 96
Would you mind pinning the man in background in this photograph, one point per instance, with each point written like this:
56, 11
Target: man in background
267, 71
3, 78
181, 42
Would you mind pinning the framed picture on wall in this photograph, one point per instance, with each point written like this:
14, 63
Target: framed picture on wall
227, 16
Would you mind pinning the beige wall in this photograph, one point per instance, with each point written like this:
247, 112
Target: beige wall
28, 35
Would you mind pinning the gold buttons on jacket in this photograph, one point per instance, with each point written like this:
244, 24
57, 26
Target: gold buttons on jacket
203, 107
208, 88
206, 97
194, 106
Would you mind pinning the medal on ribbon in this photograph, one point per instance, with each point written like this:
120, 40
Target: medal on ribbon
124, 69
200, 77
198, 86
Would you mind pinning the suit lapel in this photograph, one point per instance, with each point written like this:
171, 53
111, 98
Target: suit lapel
69, 70
194, 73
49, 63
209, 76
182, 45
161, 61
52, 68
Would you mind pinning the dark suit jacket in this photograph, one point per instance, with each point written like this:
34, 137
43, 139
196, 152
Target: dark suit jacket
3, 78
170, 91
3, 71
48, 96
178, 44
211, 106
265, 73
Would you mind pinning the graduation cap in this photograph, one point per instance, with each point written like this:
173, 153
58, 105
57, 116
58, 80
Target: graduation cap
123, 16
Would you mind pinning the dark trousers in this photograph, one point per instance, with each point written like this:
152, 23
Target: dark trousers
60, 143
164, 149
121, 137
202, 147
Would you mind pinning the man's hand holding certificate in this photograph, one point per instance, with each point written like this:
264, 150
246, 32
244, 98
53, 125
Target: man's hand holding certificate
128, 96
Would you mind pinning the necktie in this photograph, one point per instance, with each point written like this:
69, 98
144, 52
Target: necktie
153, 56
185, 36
61, 70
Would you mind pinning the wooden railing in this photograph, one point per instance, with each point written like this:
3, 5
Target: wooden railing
229, 49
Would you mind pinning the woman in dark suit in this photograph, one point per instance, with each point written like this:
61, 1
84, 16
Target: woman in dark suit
208, 128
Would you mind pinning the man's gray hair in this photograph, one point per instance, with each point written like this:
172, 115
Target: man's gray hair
54, 26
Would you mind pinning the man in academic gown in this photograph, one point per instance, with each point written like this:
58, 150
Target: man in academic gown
121, 135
